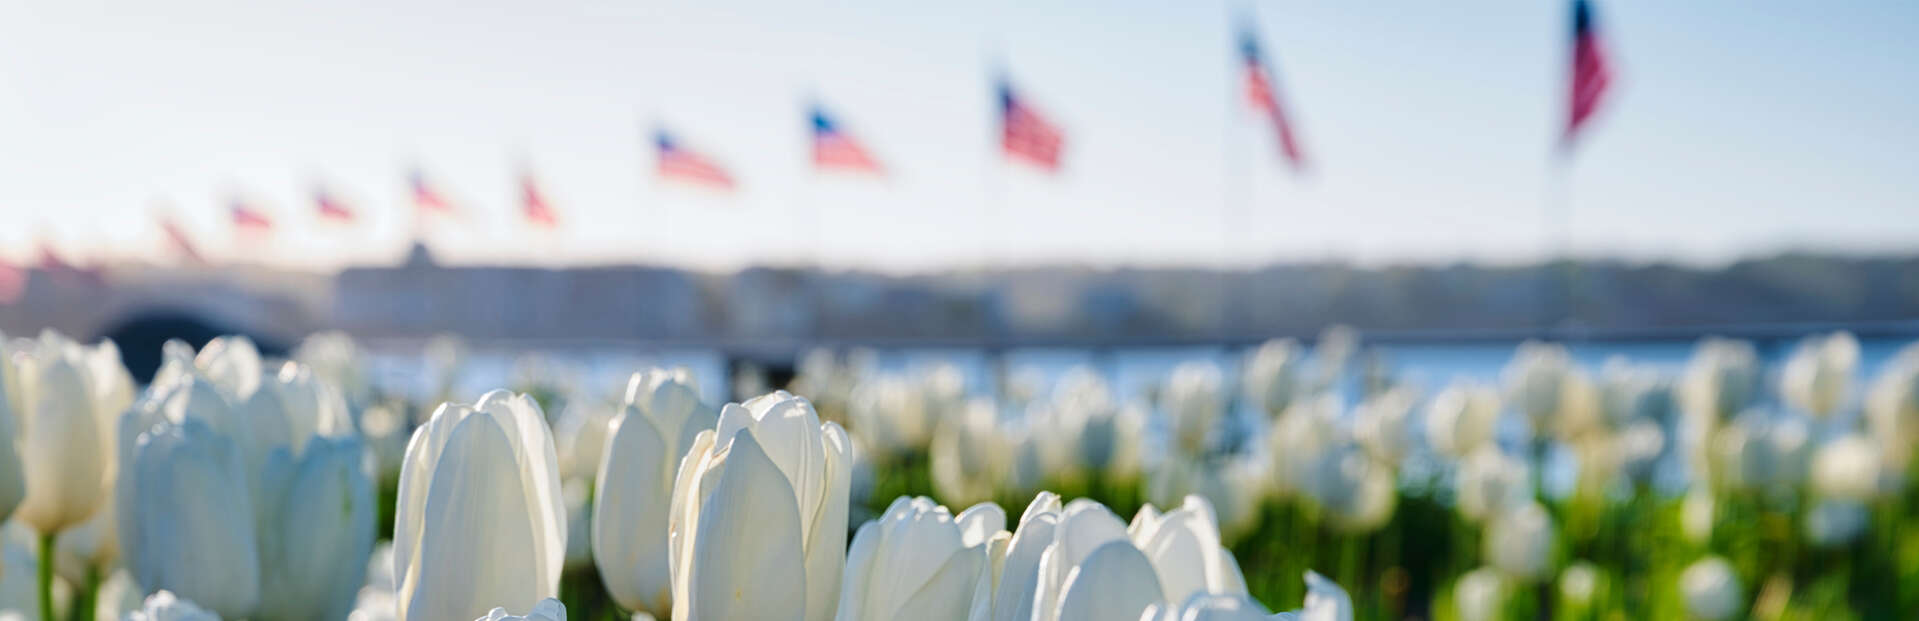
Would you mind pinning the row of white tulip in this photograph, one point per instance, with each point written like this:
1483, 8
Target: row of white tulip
233, 489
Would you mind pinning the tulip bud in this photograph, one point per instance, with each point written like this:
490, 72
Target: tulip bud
1847, 468
1272, 375
1479, 595
1535, 382
1490, 482
920, 561
1461, 419
60, 396
1817, 378
547, 610
1519, 542
13, 485
1192, 402
758, 522
480, 518
192, 520
970, 455
1711, 589
1721, 380
321, 513
634, 487
1081, 562
165, 606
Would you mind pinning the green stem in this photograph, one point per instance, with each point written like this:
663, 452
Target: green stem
46, 576
88, 599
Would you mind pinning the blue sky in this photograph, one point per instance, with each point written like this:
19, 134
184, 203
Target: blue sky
1735, 128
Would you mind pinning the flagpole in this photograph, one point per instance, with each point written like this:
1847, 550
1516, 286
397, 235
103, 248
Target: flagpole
1237, 194
1559, 238
994, 194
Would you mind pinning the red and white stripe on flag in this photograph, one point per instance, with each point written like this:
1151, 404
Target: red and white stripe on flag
681, 165
534, 205
1028, 137
249, 219
1591, 73
836, 151
331, 208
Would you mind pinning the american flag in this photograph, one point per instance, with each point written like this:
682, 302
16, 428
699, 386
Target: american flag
425, 198
330, 207
177, 239
534, 205
1591, 74
835, 149
1024, 134
678, 163
1263, 94
246, 218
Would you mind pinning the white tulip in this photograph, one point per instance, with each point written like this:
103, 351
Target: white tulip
480, 519
1817, 378
1299, 441
1847, 468
1631, 394
1093, 435
1357, 491
13, 484
970, 455
232, 362
1479, 595
1194, 405
187, 525
889, 417
118, 596
757, 528
1234, 485
1761, 452
1535, 381
1578, 582
1461, 419
64, 398
301, 470
318, 533
1711, 589
547, 610
1519, 542
634, 488
1892, 407
1272, 375
1836, 522
1206, 607
336, 358
1490, 482
376, 601
1382, 424
165, 606
1081, 562
1720, 381
918, 561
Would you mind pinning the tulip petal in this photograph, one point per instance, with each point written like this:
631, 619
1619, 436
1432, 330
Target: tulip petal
532, 443
1115, 581
480, 549
1019, 576
747, 562
948, 592
979, 522
826, 531
630, 507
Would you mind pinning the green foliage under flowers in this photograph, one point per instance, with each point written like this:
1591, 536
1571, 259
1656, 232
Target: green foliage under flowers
1407, 568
